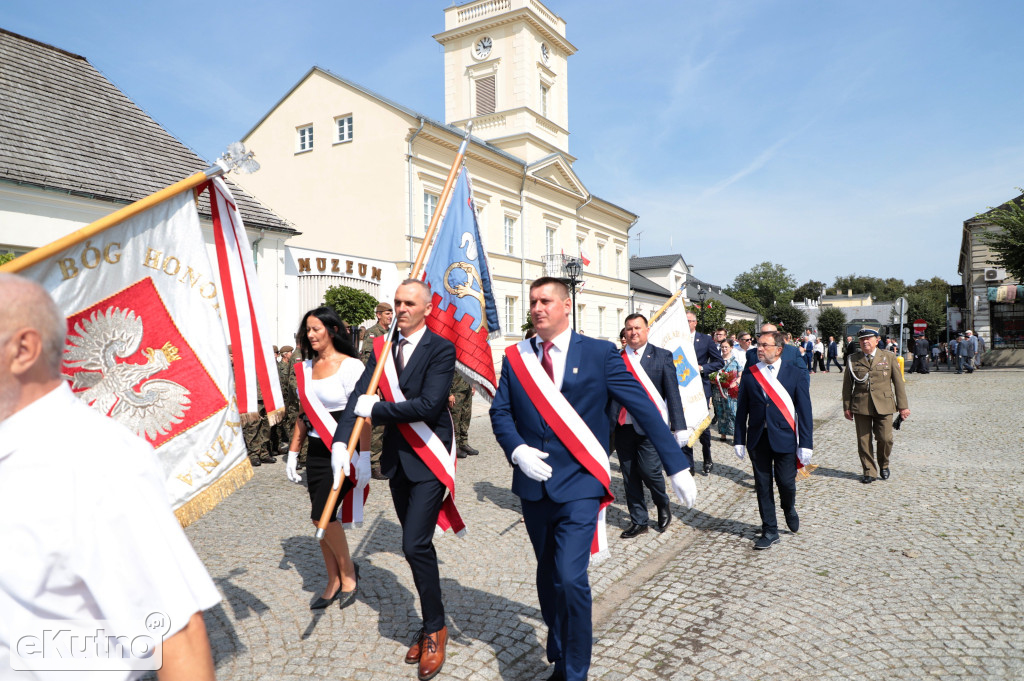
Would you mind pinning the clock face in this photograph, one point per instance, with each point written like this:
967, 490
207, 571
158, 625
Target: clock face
545, 53
482, 48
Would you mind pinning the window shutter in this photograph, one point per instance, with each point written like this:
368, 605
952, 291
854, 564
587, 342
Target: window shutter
485, 95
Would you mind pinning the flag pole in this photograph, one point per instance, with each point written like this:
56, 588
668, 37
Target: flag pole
107, 221
414, 273
664, 307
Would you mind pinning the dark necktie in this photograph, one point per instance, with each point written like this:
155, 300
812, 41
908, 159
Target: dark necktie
400, 356
545, 361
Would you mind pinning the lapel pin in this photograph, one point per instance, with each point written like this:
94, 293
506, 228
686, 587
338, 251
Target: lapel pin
575, 370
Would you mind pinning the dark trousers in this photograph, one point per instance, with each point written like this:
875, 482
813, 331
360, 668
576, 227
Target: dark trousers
417, 505
767, 464
640, 466
920, 364
831, 359
561, 535
705, 446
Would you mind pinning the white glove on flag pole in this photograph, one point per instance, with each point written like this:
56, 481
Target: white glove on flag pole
341, 463
804, 455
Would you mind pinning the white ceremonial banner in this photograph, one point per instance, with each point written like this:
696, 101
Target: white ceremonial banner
146, 346
670, 331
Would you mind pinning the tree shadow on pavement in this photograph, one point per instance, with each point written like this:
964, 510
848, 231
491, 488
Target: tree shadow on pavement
471, 615
699, 520
502, 497
737, 475
224, 642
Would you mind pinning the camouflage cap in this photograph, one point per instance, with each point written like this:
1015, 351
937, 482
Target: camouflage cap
382, 307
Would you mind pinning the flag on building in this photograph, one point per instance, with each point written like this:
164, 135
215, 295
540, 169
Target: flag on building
146, 344
584, 256
670, 331
464, 310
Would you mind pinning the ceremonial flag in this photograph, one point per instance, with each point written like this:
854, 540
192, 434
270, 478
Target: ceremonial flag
146, 344
464, 310
584, 256
670, 331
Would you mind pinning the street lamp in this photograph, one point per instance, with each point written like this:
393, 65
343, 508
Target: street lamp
701, 295
573, 270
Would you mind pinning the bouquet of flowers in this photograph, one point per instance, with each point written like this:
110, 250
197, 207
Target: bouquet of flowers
727, 382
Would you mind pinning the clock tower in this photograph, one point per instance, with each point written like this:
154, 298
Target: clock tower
506, 69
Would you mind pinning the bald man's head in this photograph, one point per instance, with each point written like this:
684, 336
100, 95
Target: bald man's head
30, 313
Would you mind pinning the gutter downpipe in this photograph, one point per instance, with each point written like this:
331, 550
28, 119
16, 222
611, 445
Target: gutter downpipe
256, 249
408, 159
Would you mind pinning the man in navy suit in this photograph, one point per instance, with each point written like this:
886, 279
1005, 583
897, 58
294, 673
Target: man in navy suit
425, 363
710, 360
638, 460
767, 390
559, 496
833, 355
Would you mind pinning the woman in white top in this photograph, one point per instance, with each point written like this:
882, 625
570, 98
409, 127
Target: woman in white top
335, 372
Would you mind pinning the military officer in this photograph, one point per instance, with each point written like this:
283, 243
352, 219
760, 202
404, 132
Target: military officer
460, 401
384, 314
873, 390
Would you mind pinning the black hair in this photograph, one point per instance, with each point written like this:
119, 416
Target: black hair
336, 329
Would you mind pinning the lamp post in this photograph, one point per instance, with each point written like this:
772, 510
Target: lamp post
573, 270
701, 295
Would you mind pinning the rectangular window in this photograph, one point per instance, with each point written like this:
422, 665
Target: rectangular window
549, 240
544, 100
581, 318
485, 95
429, 206
344, 129
305, 138
510, 234
600, 322
618, 264
600, 258
511, 329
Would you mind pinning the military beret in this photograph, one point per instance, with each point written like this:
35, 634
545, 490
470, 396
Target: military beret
382, 307
867, 333
287, 348
276, 350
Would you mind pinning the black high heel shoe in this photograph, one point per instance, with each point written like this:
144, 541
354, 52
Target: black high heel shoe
320, 603
347, 598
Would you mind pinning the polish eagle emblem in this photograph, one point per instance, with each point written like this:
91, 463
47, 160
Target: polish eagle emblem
119, 389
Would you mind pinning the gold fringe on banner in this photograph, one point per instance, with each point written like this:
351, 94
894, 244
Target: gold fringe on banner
197, 506
275, 416
698, 430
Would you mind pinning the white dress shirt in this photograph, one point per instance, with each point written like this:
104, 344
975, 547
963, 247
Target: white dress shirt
412, 341
557, 354
634, 356
85, 527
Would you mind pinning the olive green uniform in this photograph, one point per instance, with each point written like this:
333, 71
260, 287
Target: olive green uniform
257, 435
463, 409
874, 392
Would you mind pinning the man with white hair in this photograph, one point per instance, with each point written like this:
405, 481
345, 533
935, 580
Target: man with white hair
80, 493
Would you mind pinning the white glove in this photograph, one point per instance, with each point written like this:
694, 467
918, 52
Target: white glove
684, 487
683, 436
363, 470
341, 463
290, 467
804, 455
364, 405
741, 451
531, 462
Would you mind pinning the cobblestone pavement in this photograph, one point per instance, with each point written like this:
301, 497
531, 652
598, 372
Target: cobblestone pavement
916, 577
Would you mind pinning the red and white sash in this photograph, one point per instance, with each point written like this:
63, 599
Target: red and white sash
324, 424
779, 396
571, 429
640, 373
425, 443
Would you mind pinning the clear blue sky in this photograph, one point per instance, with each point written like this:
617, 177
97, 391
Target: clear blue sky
830, 137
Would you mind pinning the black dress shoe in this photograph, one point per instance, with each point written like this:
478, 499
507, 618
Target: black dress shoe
792, 521
633, 530
320, 603
866, 479
885, 474
708, 465
472, 451
765, 541
664, 517
556, 676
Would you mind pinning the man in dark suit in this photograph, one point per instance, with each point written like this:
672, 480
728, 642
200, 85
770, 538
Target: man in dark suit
638, 459
424, 363
833, 355
790, 353
710, 360
922, 348
773, 395
572, 377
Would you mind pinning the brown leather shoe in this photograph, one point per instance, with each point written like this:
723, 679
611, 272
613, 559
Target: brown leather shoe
432, 653
413, 656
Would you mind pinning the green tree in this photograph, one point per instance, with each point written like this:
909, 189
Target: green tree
714, 316
6, 257
926, 299
832, 322
1007, 240
352, 305
787, 318
763, 286
880, 289
740, 327
811, 290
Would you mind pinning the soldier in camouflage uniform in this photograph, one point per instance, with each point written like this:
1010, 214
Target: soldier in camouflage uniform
291, 401
384, 316
257, 436
460, 401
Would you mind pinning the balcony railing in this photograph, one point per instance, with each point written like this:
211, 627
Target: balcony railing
555, 265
